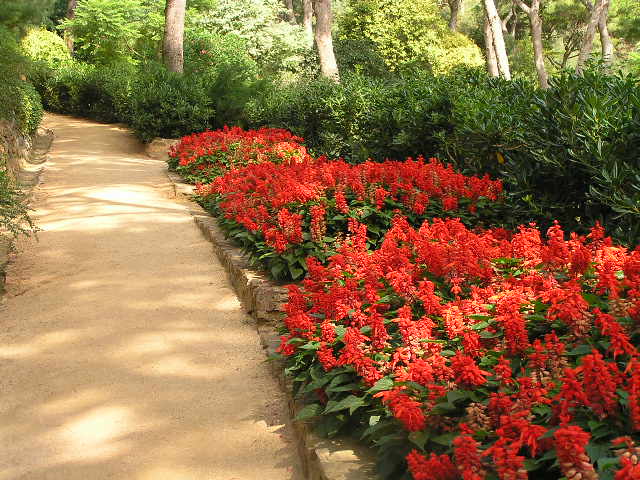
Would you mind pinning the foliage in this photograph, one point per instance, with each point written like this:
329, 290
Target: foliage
169, 105
230, 73
14, 211
87, 90
106, 31
282, 214
409, 35
17, 14
200, 158
273, 42
561, 152
19, 101
500, 355
29, 113
44, 46
360, 56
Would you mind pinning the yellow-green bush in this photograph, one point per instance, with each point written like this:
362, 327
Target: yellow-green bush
410, 34
19, 101
44, 46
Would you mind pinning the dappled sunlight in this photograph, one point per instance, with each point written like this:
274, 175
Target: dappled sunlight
169, 471
124, 353
42, 343
71, 403
97, 434
178, 365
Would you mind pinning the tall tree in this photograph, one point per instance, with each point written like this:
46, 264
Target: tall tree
71, 13
533, 11
307, 19
324, 40
498, 40
454, 6
587, 42
490, 51
173, 45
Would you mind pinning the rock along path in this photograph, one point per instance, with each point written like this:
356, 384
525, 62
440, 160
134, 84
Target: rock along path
124, 353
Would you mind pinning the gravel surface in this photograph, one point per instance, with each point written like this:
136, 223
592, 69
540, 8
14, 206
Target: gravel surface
124, 353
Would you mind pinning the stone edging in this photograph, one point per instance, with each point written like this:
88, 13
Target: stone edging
334, 459
28, 172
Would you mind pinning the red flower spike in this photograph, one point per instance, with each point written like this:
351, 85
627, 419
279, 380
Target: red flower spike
570, 443
436, 467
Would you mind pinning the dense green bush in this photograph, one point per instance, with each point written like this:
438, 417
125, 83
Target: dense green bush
20, 105
169, 105
106, 31
230, 73
44, 46
409, 34
30, 113
566, 153
19, 101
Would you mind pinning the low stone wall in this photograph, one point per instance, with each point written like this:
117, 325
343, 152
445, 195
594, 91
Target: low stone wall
334, 459
22, 157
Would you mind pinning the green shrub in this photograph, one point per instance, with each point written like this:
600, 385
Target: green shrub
585, 133
169, 105
106, 31
361, 117
19, 101
14, 210
231, 74
30, 113
45, 47
410, 34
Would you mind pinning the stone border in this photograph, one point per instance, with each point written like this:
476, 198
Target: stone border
28, 174
322, 459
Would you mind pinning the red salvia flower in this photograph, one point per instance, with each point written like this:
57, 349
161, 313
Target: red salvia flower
436, 467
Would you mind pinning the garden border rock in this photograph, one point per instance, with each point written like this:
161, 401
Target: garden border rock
27, 167
263, 299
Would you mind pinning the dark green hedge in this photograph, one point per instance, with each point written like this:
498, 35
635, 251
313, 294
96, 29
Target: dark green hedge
568, 153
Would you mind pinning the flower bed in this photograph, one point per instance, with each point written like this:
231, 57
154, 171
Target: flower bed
474, 355
201, 157
282, 214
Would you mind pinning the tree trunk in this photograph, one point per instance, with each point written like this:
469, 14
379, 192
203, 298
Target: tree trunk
533, 12
587, 41
291, 14
71, 13
173, 47
307, 19
605, 38
324, 41
498, 40
454, 5
492, 61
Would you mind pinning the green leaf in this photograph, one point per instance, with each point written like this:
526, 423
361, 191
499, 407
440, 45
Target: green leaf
419, 438
329, 426
445, 439
309, 411
385, 383
581, 350
352, 403
456, 395
597, 450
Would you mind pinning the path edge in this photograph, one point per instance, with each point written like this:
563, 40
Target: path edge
27, 167
263, 299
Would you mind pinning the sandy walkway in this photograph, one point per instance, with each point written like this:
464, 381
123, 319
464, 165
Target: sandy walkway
124, 353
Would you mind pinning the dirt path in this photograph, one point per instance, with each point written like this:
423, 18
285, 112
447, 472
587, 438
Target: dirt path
124, 353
